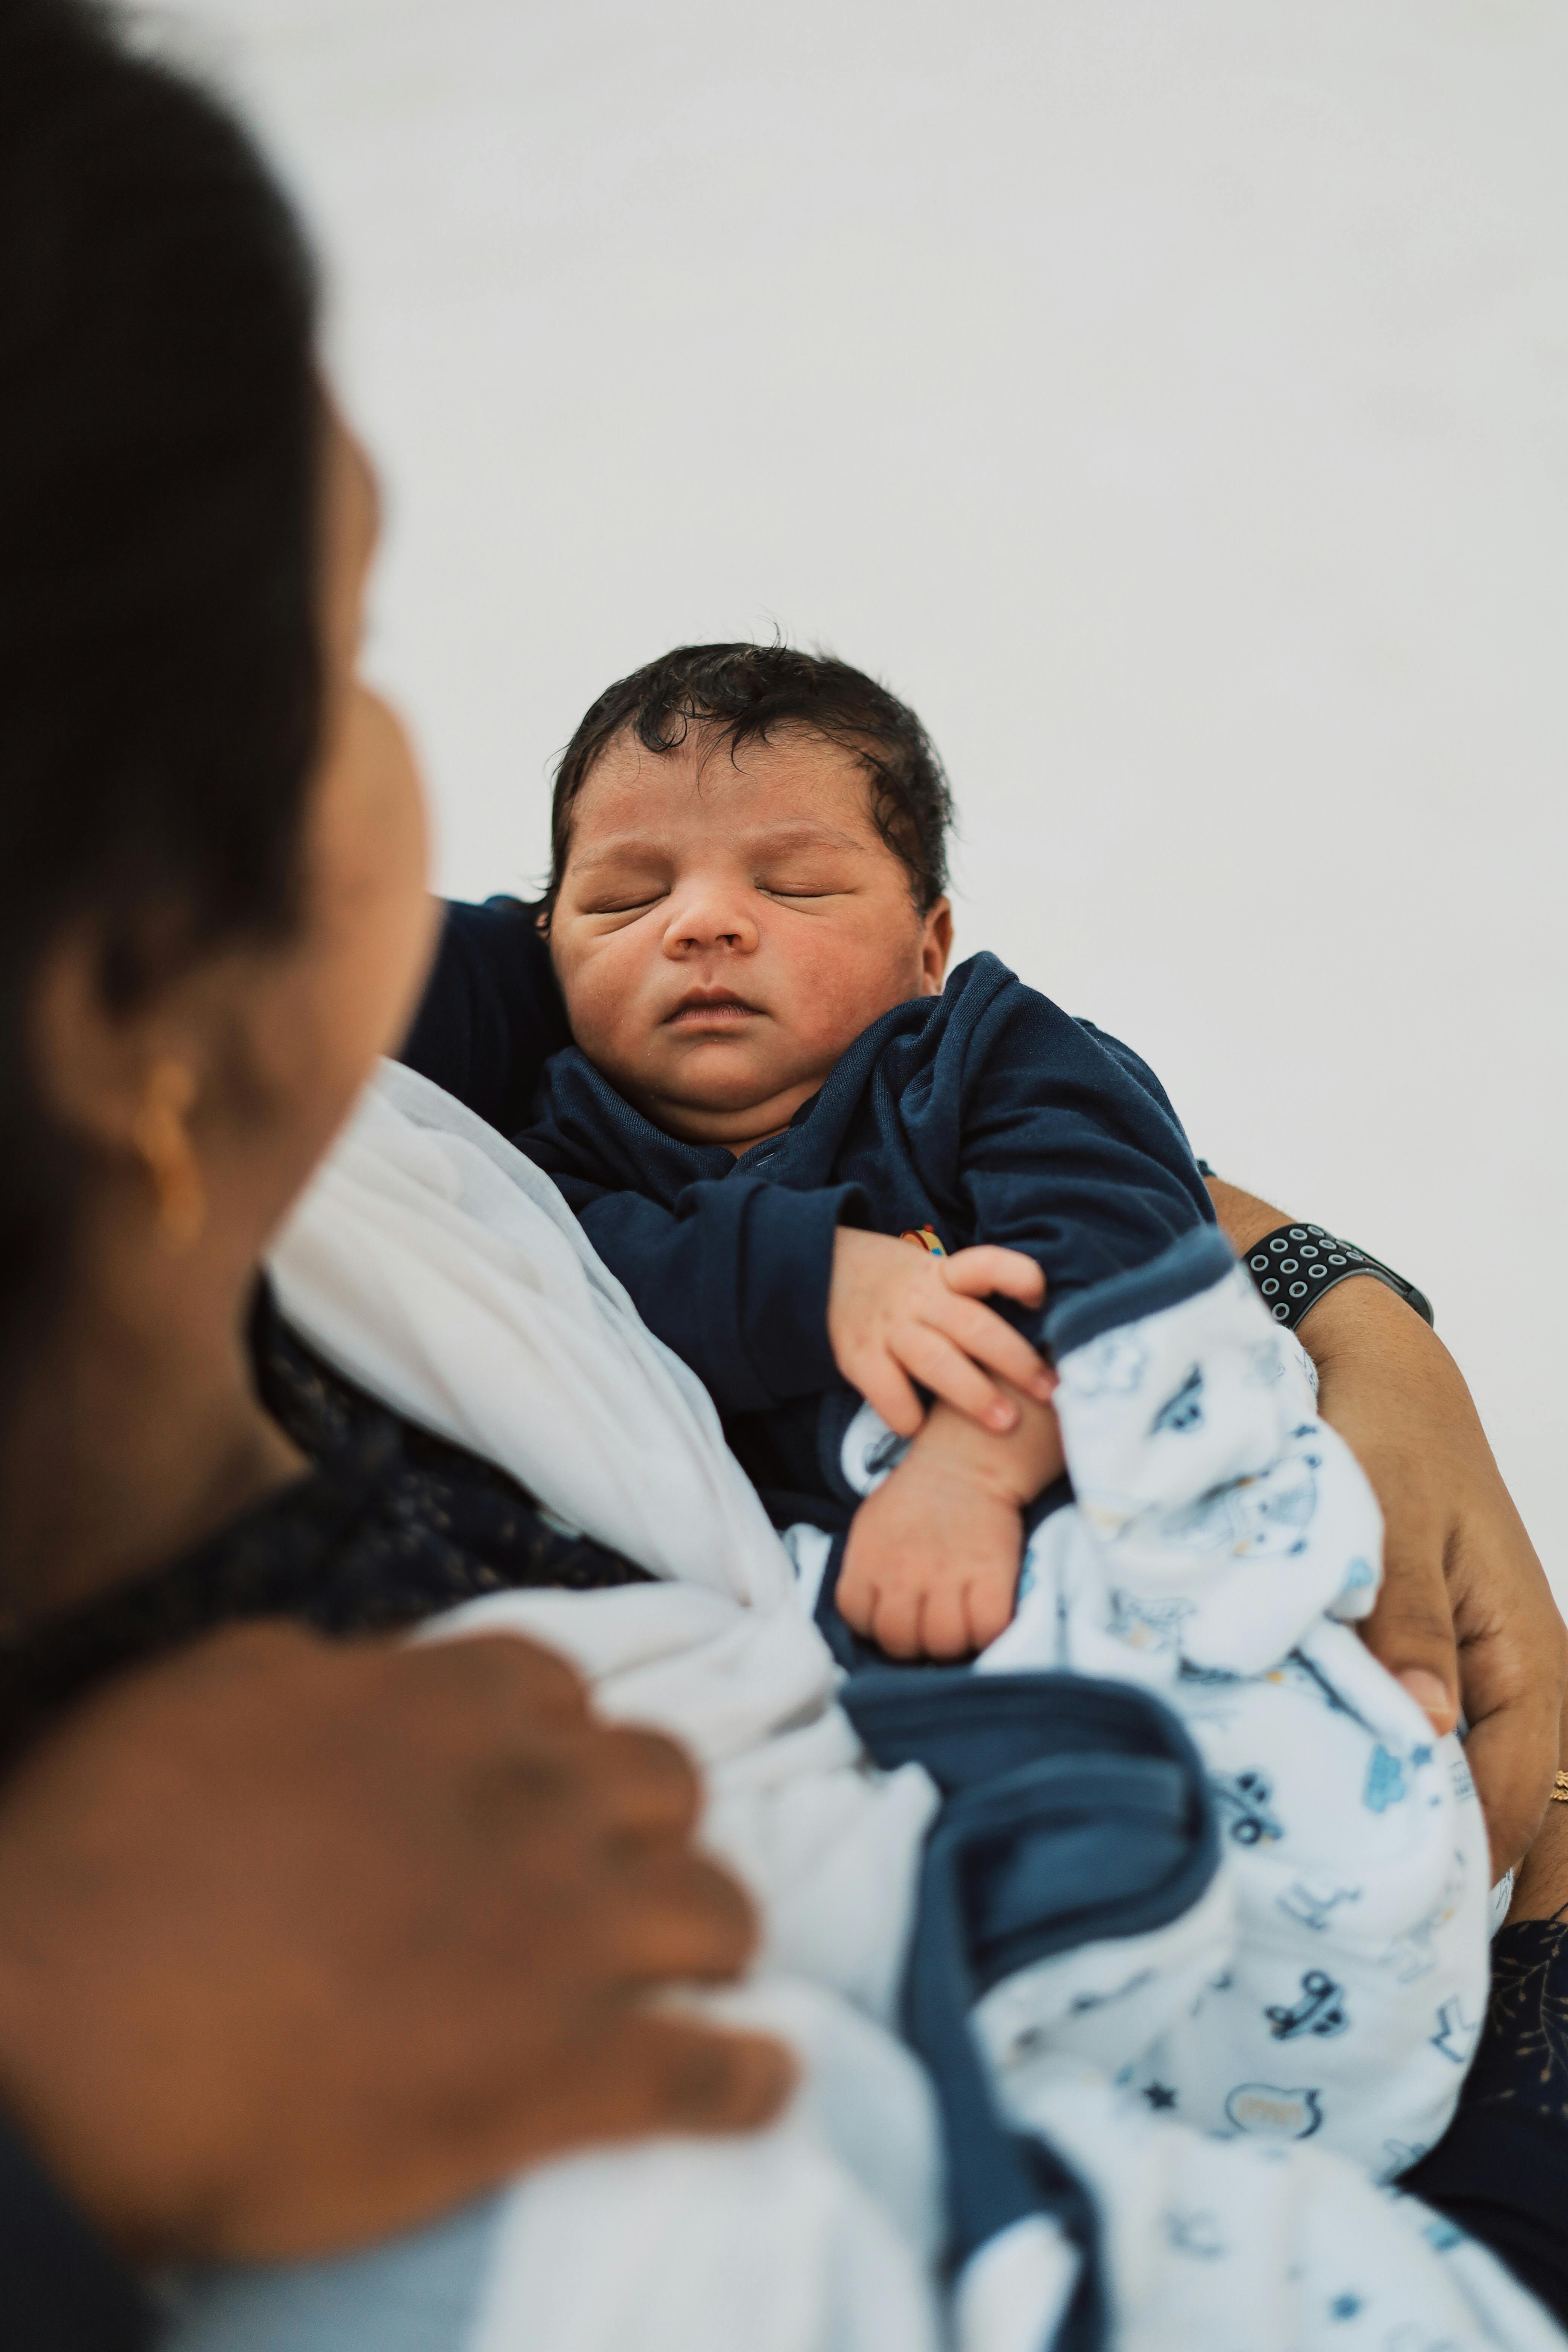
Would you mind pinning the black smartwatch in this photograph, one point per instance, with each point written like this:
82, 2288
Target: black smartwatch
1295, 1264
1293, 1267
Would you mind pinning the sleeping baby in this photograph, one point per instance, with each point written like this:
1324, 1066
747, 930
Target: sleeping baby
808, 1160
930, 1243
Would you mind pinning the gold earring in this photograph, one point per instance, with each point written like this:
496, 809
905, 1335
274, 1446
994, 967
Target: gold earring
163, 1139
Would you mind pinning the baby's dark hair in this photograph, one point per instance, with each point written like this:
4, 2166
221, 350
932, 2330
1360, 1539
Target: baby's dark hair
737, 693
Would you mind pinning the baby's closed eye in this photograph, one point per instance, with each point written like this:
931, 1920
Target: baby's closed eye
624, 898
799, 879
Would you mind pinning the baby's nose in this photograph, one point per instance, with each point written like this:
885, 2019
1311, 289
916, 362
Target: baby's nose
709, 919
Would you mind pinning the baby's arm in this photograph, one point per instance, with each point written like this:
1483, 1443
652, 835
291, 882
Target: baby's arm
765, 1294
931, 1564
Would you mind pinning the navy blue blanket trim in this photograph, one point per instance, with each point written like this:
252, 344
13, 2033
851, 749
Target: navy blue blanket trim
851, 1650
1193, 1262
1073, 1809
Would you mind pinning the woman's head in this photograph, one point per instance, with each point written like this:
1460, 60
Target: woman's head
212, 909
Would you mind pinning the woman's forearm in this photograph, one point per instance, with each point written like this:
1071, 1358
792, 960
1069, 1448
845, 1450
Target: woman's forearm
1466, 1617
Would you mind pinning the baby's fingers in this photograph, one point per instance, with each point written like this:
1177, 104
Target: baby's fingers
894, 1623
875, 1373
933, 1360
993, 1344
944, 1631
988, 1600
985, 1269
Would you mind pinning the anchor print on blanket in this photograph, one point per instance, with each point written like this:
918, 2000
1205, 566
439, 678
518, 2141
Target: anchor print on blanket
1320, 2009
1243, 1802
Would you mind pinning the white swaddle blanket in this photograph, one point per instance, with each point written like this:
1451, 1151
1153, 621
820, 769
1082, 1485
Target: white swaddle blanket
1223, 1534
440, 1270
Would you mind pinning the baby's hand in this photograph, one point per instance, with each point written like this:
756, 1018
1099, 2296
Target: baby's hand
897, 1314
931, 1565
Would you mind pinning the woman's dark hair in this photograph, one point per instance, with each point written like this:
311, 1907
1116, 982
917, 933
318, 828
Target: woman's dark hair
736, 693
161, 428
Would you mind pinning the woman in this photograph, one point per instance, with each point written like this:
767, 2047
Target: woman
213, 920
185, 526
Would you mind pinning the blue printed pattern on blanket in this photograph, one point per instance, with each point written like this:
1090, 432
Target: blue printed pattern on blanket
1221, 1533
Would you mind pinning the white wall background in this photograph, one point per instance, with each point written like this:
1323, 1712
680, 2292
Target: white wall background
1170, 398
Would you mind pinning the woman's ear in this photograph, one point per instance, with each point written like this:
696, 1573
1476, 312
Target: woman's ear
123, 1079
93, 1060
113, 1017
936, 946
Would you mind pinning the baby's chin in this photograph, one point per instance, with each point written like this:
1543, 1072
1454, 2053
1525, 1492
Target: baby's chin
723, 1075
706, 1095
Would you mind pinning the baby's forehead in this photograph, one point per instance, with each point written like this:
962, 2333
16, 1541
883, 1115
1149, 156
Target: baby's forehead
795, 779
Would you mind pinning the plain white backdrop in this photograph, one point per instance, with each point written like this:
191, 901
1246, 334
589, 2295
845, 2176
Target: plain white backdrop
1169, 397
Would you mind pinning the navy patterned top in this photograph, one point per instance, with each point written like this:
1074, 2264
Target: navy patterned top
389, 1525
1501, 2171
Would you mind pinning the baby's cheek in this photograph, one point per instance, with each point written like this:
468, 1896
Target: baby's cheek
841, 985
600, 989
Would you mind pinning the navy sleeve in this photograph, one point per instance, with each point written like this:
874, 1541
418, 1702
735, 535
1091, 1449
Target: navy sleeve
491, 1014
734, 1278
1071, 1151
1500, 2170
61, 2290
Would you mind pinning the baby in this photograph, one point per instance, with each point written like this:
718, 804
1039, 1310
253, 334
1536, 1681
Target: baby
807, 1160
812, 1165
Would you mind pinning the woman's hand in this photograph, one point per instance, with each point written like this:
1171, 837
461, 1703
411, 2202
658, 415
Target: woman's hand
1541, 1890
1466, 1617
897, 1313
301, 1944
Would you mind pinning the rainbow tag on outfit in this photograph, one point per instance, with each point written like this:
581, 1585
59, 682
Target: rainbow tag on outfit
924, 1238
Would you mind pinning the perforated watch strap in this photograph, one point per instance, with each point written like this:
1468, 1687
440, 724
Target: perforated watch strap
1295, 1264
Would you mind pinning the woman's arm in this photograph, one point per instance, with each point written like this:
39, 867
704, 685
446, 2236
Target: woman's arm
1466, 1617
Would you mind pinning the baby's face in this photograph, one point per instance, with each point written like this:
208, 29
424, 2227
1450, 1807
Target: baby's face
726, 926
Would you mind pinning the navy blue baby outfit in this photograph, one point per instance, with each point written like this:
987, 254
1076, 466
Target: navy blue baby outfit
986, 1114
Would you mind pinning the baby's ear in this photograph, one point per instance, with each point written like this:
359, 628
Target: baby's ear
936, 945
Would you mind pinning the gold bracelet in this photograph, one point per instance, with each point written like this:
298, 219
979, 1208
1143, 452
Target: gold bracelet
1559, 1789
